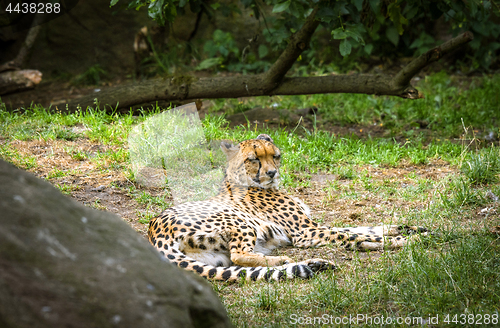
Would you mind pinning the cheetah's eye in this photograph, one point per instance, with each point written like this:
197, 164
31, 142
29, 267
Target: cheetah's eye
277, 157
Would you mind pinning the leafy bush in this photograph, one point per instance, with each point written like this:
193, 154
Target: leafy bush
356, 28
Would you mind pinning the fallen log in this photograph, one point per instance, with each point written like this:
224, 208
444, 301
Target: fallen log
21, 80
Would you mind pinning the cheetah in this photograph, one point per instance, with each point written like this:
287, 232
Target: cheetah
231, 235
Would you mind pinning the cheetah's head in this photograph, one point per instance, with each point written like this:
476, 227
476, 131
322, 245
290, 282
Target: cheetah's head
253, 163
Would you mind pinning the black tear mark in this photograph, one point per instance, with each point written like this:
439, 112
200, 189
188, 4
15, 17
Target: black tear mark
257, 177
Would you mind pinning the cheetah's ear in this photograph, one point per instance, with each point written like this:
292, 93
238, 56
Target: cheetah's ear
265, 137
229, 149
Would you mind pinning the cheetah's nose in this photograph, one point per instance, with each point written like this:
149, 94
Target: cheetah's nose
271, 173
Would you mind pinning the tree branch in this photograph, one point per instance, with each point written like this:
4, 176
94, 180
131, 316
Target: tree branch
186, 88
298, 43
402, 79
24, 53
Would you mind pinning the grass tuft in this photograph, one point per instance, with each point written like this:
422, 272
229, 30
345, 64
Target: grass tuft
460, 192
482, 167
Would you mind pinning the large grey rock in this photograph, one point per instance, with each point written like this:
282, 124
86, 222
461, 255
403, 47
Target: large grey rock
66, 265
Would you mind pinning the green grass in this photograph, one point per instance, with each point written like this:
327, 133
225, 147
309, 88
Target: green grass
482, 167
452, 272
112, 157
145, 216
97, 205
461, 277
460, 192
38, 123
67, 189
77, 154
322, 151
153, 204
12, 155
56, 173
446, 108
146, 198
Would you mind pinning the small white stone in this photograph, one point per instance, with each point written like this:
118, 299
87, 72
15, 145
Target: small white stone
116, 319
121, 269
19, 199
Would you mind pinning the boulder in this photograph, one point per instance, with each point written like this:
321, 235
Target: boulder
65, 265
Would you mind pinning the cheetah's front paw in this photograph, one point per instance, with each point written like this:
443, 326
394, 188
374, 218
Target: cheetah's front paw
278, 260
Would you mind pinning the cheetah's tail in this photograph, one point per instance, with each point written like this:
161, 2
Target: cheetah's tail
305, 269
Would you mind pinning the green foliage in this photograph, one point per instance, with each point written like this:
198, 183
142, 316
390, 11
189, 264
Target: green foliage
222, 53
423, 43
361, 27
164, 63
92, 76
219, 50
348, 36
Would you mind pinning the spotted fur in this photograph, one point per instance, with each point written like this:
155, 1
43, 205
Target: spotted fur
232, 235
